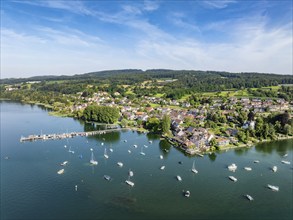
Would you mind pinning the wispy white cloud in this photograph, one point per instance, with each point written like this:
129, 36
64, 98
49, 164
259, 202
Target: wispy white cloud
179, 19
69, 36
130, 9
218, 4
151, 5
267, 50
76, 7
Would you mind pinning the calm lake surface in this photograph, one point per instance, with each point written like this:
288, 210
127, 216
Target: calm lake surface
32, 189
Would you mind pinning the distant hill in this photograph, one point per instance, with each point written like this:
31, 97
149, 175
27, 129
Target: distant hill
196, 79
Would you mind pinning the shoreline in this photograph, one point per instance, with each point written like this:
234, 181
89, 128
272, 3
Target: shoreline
143, 130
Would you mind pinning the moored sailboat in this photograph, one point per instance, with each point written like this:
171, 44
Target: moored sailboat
274, 188
60, 171
234, 179
193, 168
141, 152
105, 154
249, 197
92, 160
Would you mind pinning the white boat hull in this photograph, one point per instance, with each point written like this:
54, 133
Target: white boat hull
129, 183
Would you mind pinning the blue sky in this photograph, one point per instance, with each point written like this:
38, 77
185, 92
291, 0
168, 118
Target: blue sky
72, 37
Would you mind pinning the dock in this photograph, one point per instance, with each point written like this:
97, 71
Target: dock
67, 135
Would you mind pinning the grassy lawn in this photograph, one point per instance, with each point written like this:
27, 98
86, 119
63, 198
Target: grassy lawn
129, 92
154, 105
159, 95
236, 93
56, 81
184, 98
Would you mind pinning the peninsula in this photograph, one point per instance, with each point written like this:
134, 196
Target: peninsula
198, 111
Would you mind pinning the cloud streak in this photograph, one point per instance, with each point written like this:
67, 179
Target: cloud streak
215, 4
239, 44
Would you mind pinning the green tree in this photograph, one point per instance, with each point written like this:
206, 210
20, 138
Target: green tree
259, 127
166, 123
272, 131
103, 114
153, 124
124, 122
287, 129
278, 127
265, 131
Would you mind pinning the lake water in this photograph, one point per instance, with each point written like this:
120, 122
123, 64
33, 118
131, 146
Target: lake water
32, 189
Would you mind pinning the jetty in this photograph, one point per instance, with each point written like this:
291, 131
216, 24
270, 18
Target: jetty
68, 135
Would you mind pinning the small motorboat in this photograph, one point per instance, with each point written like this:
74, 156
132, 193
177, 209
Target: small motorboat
162, 167
248, 168
64, 163
232, 167
274, 188
60, 171
129, 151
161, 157
256, 161
106, 177
75, 187
234, 179
275, 168
120, 164
249, 197
130, 173
129, 183
186, 193
179, 178
285, 162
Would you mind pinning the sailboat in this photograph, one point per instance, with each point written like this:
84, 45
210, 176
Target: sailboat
70, 151
130, 172
193, 168
105, 154
111, 149
130, 183
64, 163
92, 160
141, 152
60, 171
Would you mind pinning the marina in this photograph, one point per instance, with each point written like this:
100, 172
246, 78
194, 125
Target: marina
45, 137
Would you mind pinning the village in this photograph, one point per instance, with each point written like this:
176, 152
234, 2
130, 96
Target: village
189, 129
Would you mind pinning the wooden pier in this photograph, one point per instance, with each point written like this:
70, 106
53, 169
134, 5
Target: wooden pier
67, 135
